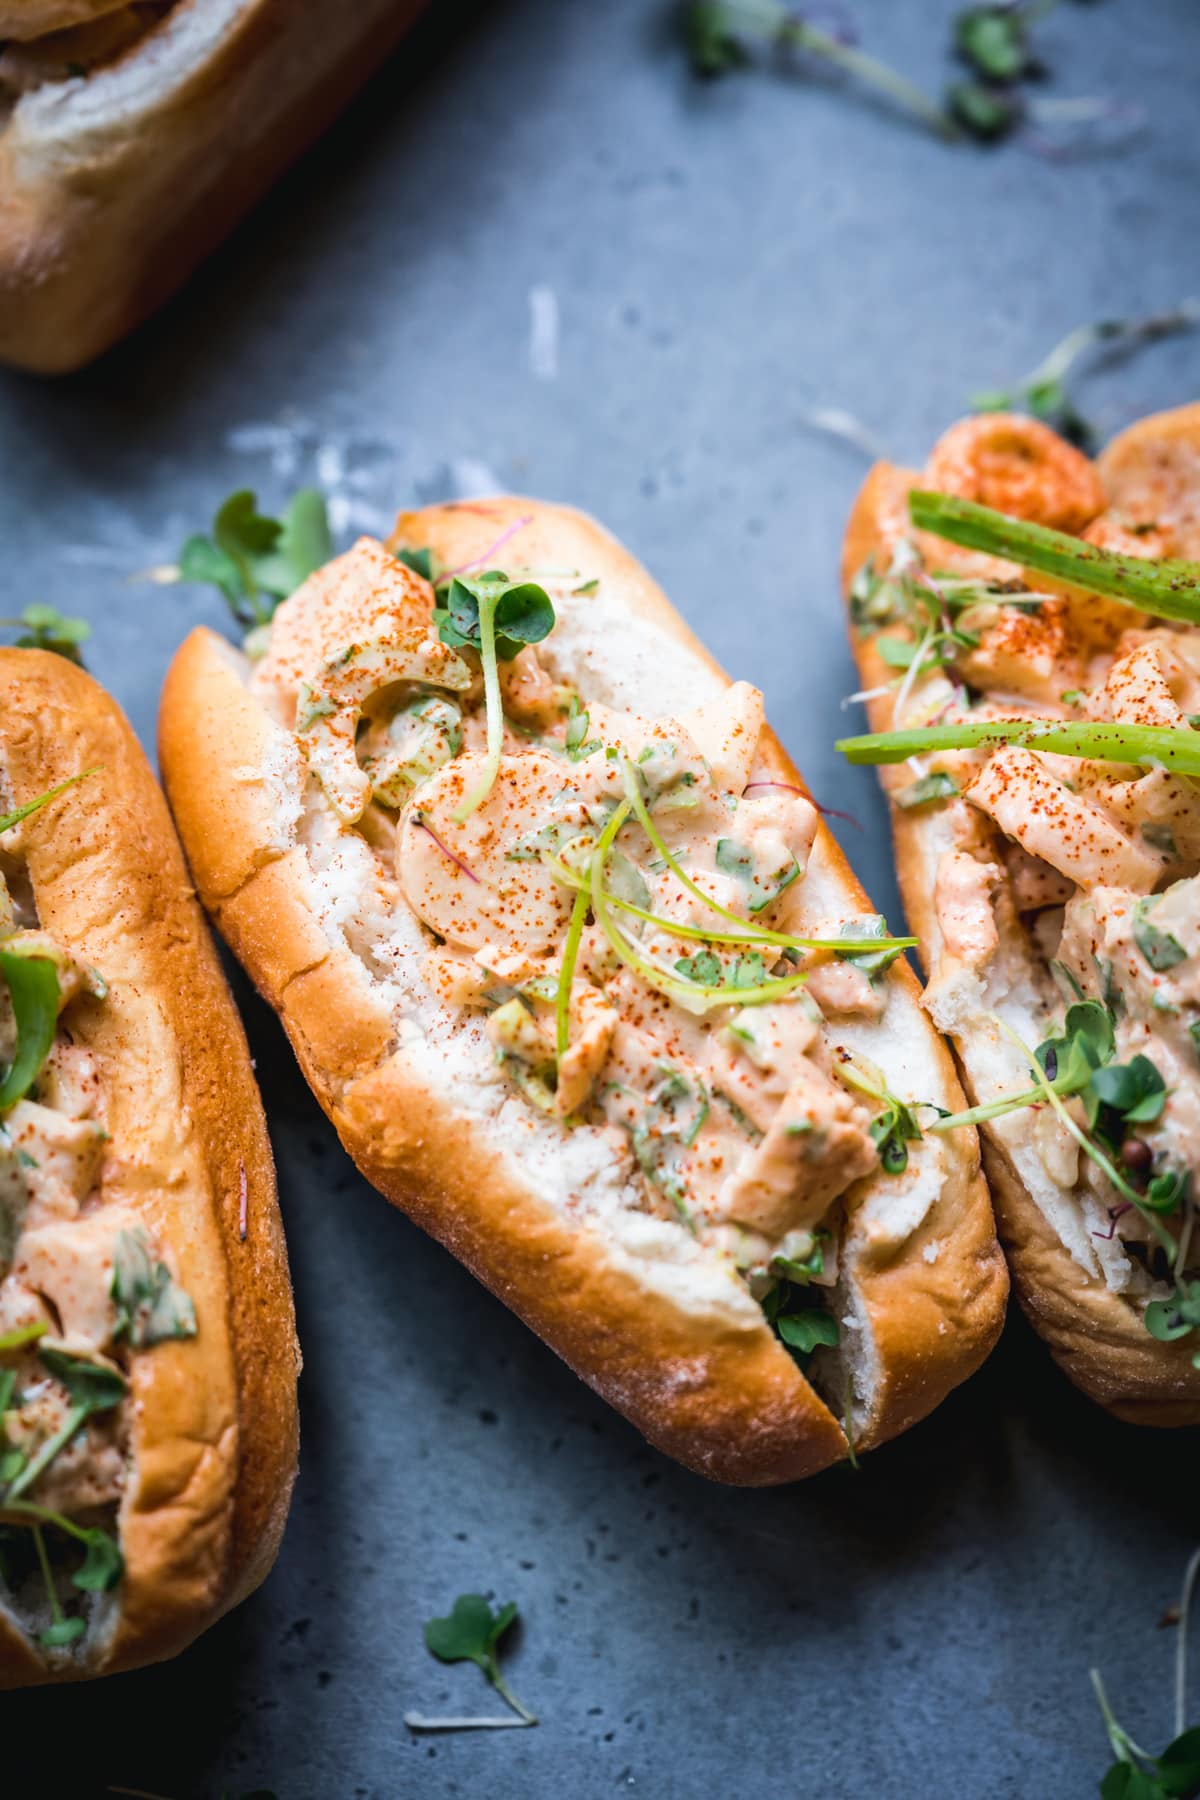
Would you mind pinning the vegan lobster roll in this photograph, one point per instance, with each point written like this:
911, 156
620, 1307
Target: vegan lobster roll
147, 1353
1026, 627
586, 986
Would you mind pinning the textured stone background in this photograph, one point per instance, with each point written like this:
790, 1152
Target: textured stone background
721, 260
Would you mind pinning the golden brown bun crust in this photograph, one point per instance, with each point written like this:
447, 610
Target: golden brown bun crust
214, 1427
1096, 1336
25, 19
113, 189
726, 1401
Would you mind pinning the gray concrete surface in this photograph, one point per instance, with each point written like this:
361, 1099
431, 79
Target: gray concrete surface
721, 260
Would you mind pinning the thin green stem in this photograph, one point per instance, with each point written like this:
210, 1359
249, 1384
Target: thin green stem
1181, 1645
868, 69
699, 934
1168, 588
1123, 1746
45, 1516
488, 601
562, 1011
49, 1450
39, 1540
691, 995
505, 1692
23, 1334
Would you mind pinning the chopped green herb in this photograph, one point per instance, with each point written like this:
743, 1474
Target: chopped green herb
872, 962
587, 587
1160, 837
1160, 949
577, 744
925, 790
150, 1306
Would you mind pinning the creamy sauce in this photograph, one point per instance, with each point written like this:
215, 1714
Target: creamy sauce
722, 1123
79, 1280
1058, 878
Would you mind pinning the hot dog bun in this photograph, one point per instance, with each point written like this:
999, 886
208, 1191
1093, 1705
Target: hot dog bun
118, 175
211, 1421
1148, 477
669, 1337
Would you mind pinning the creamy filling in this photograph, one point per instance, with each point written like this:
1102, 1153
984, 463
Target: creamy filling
711, 1104
82, 1287
1059, 881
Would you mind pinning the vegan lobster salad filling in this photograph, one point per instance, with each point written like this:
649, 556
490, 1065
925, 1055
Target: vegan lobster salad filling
1046, 702
83, 1288
628, 916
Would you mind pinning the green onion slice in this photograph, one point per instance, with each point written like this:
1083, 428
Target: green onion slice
1167, 587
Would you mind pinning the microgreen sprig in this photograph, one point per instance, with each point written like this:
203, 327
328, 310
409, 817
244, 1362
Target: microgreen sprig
1175, 1774
256, 561
717, 32
1167, 587
496, 617
693, 996
1045, 392
1087, 1144
472, 1633
45, 628
750, 935
893, 1128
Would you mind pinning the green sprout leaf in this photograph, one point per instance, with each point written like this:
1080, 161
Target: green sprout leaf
256, 561
103, 1564
522, 613
472, 1633
992, 39
45, 628
33, 992
421, 562
983, 111
789, 1311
